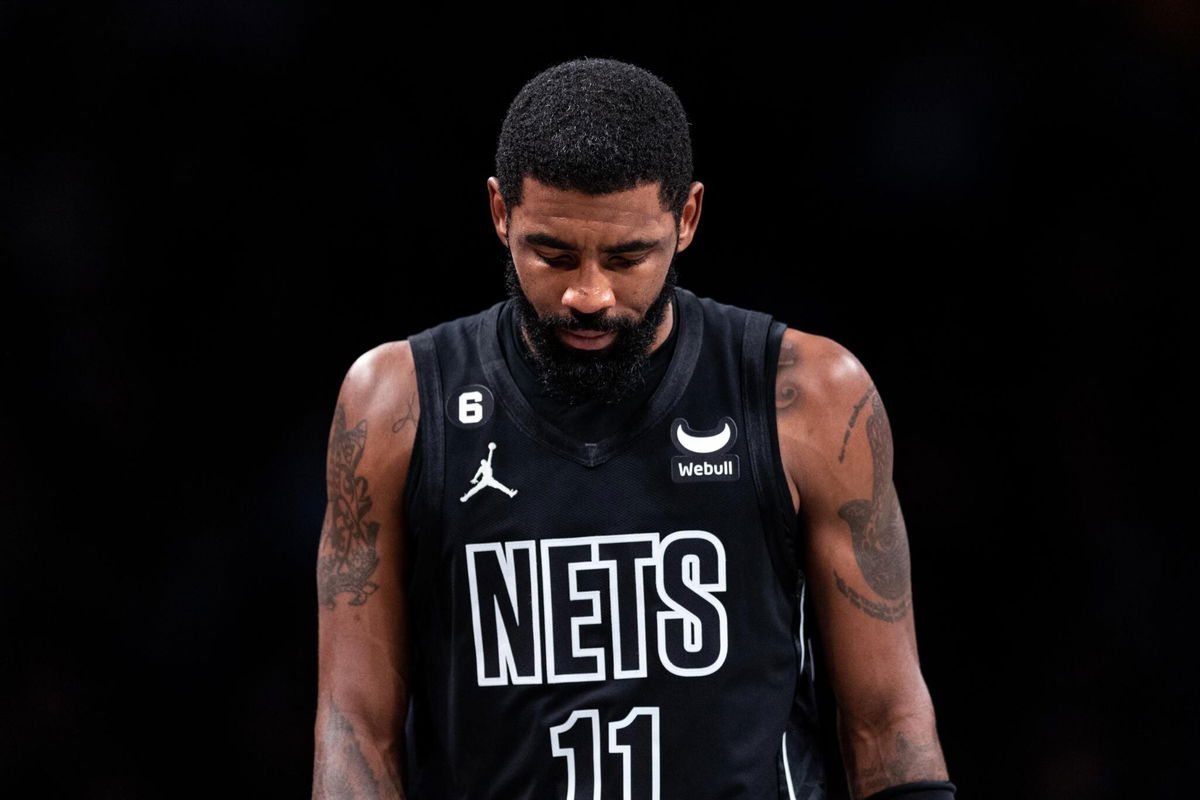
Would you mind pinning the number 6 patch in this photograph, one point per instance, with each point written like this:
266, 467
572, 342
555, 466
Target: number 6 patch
470, 406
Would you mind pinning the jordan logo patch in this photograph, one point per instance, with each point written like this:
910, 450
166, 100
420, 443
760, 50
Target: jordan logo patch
706, 454
483, 478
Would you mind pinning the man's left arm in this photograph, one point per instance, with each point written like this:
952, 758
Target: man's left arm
837, 448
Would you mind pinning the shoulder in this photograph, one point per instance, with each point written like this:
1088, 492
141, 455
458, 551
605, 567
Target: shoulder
821, 391
377, 375
816, 373
379, 399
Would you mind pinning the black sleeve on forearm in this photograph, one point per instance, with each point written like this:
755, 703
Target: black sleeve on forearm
920, 790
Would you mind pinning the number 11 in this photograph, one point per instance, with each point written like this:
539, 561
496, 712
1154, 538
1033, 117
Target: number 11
634, 739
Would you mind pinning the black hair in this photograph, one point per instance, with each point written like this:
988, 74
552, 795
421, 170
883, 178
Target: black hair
596, 126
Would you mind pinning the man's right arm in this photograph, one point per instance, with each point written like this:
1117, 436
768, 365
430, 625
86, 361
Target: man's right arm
362, 683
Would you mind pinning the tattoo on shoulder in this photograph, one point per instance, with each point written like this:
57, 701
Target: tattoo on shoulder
877, 526
786, 390
410, 416
346, 558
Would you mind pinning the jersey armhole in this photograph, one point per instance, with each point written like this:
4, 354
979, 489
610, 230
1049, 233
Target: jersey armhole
422, 490
412, 483
762, 342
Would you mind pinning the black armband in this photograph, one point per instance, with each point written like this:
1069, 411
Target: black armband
918, 790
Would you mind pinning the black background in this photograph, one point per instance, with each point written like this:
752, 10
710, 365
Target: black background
211, 208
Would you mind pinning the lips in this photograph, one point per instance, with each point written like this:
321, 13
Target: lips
587, 340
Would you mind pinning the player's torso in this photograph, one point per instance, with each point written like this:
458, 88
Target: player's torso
601, 620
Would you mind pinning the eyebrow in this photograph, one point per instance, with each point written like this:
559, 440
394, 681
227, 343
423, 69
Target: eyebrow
632, 246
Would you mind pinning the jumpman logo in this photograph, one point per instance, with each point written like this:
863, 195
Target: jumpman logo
483, 477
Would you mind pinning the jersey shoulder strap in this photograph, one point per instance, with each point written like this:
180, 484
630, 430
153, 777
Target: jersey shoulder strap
446, 347
761, 340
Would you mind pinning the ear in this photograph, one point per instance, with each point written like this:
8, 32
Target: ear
499, 211
690, 217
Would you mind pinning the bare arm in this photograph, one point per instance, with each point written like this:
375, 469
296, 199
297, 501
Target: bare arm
837, 447
362, 691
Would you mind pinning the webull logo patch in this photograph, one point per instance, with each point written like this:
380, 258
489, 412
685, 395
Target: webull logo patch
706, 453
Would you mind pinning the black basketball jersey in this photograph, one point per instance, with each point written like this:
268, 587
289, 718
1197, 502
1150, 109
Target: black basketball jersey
611, 619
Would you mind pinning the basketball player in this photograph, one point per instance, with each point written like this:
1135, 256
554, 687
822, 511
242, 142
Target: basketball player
576, 544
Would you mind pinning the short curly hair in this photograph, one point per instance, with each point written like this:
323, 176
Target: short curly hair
597, 126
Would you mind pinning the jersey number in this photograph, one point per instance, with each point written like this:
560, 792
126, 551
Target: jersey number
634, 740
470, 407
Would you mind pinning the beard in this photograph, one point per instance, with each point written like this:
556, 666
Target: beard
574, 376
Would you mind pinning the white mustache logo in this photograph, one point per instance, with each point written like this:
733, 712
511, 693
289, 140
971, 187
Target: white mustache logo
718, 440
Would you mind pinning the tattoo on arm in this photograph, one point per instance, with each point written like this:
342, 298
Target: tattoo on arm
853, 419
341, 770
346, 558
910, 758
877, 526
883, 611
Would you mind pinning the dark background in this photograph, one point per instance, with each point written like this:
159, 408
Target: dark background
209, 209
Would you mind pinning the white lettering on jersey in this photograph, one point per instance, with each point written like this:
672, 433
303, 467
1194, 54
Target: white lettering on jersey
587, 602
693, 636
509, 615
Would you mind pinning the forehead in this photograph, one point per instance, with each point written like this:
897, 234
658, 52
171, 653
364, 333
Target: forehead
638, 211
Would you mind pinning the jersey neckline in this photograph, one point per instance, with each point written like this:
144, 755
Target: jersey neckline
591, 454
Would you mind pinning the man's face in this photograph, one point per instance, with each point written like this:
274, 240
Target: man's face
592, 276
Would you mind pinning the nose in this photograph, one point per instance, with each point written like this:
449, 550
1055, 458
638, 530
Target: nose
589, 290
